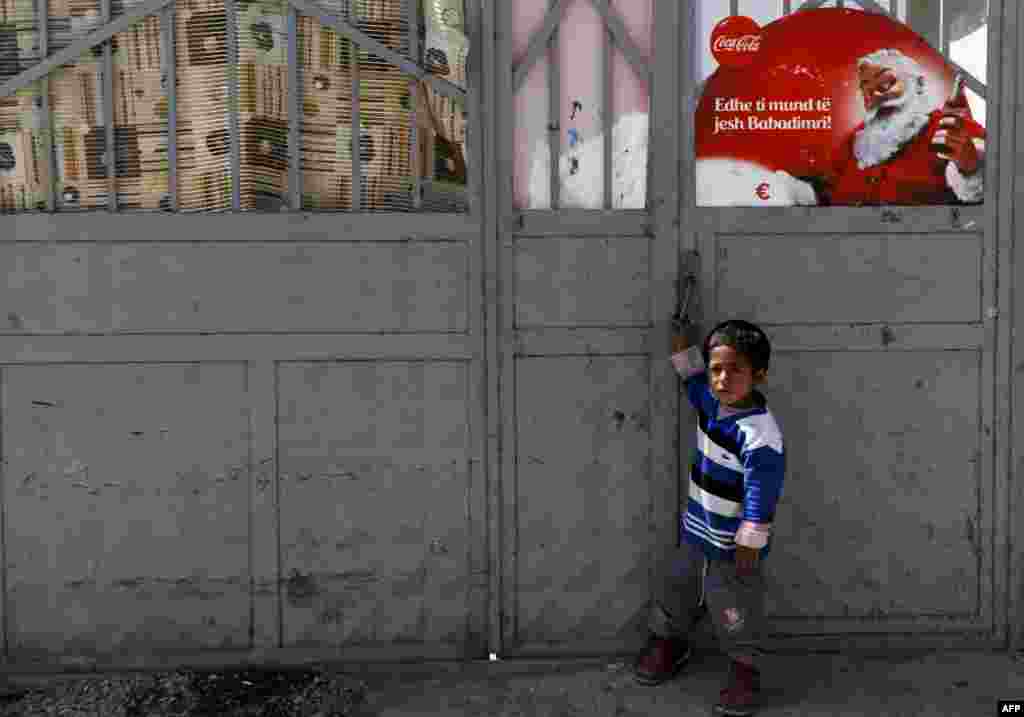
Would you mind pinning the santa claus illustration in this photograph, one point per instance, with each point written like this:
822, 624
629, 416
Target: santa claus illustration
903, 153
907, 151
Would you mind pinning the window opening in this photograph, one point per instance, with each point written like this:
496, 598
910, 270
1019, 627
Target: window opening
581, 87
265, 105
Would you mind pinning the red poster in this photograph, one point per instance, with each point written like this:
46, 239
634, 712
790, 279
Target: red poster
834, 107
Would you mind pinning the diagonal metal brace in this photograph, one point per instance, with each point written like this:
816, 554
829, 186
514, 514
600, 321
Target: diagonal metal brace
618, 29
138, 12
357, 36
538, 42
81, 45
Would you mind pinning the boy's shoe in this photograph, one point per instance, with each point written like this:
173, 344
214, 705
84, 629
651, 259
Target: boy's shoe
739, 699
664, 658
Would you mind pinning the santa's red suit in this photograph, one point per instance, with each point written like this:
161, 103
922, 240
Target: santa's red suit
914, 175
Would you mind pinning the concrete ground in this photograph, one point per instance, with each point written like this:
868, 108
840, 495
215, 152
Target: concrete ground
947, 683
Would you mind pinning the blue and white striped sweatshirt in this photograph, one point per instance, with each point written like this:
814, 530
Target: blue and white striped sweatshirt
736, 476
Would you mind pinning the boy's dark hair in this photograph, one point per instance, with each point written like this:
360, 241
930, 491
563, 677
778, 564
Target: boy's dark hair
745, 338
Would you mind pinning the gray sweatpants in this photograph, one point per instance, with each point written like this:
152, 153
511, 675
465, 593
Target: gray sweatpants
692, 583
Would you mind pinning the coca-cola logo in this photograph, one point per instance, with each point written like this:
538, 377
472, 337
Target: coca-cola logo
735, 41
747, 43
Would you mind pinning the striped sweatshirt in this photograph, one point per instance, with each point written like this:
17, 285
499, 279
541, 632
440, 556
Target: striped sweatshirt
735, 479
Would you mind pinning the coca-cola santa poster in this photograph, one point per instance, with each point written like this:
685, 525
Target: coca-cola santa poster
834, 107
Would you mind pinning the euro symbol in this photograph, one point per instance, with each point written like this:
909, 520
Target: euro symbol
762, 190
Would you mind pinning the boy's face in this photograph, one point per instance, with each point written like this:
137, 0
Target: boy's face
731, 376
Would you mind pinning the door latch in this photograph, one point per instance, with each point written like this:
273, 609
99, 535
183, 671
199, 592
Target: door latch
687, 288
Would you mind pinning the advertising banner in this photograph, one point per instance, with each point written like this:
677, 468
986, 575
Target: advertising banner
834, 107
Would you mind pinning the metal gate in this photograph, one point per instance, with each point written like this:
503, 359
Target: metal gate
240, 433
889, 380
894, 343
495, 467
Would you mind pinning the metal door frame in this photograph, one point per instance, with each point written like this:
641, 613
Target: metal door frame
993, 221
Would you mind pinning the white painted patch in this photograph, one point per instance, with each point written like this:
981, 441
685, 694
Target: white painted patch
735, 183
584, 189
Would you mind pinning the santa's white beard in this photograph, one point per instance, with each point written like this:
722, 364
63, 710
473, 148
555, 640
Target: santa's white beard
882, 137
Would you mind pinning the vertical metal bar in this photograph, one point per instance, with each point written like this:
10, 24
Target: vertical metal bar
787, 7
671, 74
689, 87
894, 9
493, 86
503, 610
414, 146
482, 298
471, 111
554, 113
42, 20
1006, 59
170, 68
734, 7
108, 113
5, 601
608, 110
294, 150
840, 3
357, 160
945, 21
991, 492
231, 18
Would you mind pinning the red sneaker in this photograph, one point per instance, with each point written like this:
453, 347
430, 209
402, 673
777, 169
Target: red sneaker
662, 661
739, 699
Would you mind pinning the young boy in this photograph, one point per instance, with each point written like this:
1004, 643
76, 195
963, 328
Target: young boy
733, 487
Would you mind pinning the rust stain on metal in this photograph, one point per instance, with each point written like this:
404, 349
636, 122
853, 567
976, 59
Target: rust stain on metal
972, 536
330, 616
887, 336
640, 420
300, 588
128, 583
348, 475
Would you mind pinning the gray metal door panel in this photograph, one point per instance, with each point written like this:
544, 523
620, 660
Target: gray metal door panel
247, 435
377, 546
118, 500
588, 398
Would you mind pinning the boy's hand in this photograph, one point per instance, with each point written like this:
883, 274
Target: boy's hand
684, 333
746, 559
